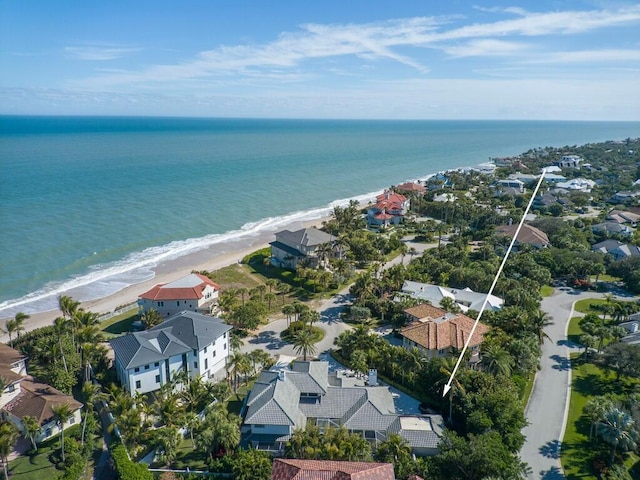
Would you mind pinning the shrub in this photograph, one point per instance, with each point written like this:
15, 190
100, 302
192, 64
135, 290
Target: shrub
125, 468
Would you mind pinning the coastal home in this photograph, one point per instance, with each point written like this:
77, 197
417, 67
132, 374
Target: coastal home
189, 341
437, 333
195, 292
306, 245
294, 469
625, 196
577, 185
389, 209
411, 188
285, 399
633, 327
439, 181
612, 228
528, 234
624, 217
22, 395
617, 249
465, 298
569, 161
510, 185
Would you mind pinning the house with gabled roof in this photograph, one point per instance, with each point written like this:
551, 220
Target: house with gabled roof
465, 298
294, 469
528, 234
194, 292
438, 333
191, 342
304, 245
411, 188
287, 399
22, 396
616, 249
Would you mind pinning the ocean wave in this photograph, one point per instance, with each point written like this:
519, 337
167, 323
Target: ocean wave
103, 280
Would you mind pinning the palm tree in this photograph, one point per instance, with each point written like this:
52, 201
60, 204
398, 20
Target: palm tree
283, 289
68, 306
394, 449
289, 310
31, 429
539, 320
8, 437
19, 321
304, 342
10, 329
91, 394
60, 329
456, 387
617, 429
151, 318
496, 360
596, 408
61, 414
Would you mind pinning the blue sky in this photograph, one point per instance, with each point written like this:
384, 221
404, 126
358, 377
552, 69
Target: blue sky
423, 59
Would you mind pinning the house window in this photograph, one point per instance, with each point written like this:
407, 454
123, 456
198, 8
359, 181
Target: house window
195, 364
137, 369
224, 347
138, 384
205, 349
214, 353
195, 353
440, 352
11, 388
206, 364
157, 364
157, 378
146, 367
161, 304
72, 420
178, 303
48, 432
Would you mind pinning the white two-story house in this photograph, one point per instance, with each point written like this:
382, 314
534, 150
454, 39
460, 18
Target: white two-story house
189, 342
195, 292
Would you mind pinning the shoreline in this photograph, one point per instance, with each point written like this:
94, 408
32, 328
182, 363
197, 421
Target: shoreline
165, 272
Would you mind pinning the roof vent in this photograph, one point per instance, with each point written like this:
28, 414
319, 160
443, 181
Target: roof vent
281, 375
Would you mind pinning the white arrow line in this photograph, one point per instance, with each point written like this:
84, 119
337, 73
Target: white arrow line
447, 387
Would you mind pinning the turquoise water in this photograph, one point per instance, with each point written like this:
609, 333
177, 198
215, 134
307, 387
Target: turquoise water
95, 203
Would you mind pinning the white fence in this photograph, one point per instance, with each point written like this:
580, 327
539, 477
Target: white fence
115, 313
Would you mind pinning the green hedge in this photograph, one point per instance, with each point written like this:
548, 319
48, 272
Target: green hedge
126, 469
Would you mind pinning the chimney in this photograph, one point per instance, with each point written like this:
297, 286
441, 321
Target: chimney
373, 377
282, 375
634, 327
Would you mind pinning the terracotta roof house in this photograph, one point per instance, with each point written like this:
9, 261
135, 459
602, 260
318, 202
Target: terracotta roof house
195, 292
528, 234
436, 333
291, 248
293, 469
466, 298
23, 395
389, 209
284, 400
411, 187
189, 341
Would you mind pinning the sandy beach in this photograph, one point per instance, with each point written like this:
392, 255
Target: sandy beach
210, 259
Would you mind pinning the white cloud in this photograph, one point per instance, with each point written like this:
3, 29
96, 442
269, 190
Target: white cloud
485, 47
99, 52
587, 57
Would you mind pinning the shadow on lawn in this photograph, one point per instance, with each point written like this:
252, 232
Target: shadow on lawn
579, 459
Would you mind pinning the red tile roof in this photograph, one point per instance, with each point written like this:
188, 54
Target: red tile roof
440, 333
9, 356
36, 400
293, 469
162, 292
425, 310
391, 197
411, 187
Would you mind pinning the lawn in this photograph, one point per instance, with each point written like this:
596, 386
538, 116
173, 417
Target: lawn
584, 306
546, 291
34, 467
578, 452
120, 324
574, 331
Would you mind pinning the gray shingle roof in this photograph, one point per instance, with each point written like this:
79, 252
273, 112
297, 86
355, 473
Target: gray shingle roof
179, 334
305, 236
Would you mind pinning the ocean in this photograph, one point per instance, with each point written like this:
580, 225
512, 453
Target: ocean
90, 205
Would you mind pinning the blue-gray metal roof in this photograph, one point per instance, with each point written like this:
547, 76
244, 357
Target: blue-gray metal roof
179, 334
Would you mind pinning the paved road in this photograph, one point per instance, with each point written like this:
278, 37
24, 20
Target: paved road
546, 411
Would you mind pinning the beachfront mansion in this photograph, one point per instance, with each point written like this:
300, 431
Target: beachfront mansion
195, 292
187, 342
